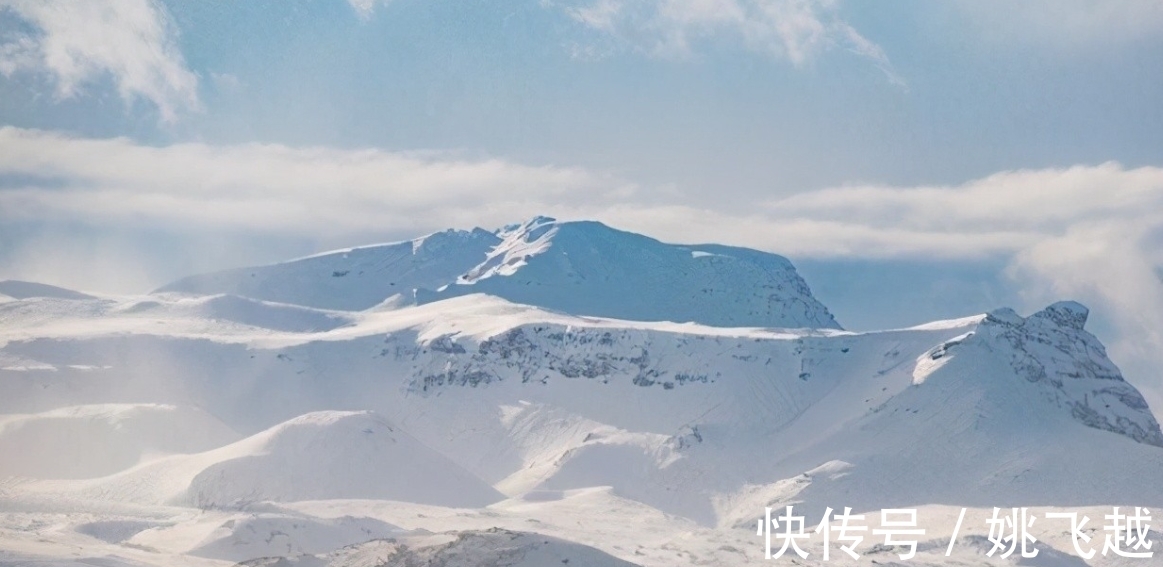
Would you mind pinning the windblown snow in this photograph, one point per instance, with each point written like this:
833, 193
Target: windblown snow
547, 393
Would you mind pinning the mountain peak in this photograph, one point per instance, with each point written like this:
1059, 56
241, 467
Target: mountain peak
579, 267
531, 224
1068, 314
589, 268
1064, 314
1052, 349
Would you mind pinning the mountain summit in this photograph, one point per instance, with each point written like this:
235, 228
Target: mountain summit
578, 267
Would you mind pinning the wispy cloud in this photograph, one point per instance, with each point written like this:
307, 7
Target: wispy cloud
76, 43
793, 30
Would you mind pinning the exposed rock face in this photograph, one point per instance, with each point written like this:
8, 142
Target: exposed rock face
1052, 348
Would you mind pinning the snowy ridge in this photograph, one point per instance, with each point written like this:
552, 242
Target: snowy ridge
518, 243
351, 279
587, 268
582, 268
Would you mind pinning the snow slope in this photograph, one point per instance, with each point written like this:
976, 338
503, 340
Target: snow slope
351, 279
494, 547
249, 535
314, 456
587, 268
583, 268
17, 289
96, 440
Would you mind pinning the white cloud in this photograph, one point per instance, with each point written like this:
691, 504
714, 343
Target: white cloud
79, 42
1003, 212
315, 190
795, 30
273, 188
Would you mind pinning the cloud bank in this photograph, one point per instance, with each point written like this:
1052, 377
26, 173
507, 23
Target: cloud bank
325, 191
272, 187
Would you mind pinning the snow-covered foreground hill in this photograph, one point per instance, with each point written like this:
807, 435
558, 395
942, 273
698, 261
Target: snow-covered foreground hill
465, 429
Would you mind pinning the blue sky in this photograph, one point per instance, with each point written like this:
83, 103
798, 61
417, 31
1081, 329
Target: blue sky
918, 159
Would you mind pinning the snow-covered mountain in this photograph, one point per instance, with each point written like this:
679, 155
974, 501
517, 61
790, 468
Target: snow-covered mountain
584, 268
656, 442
